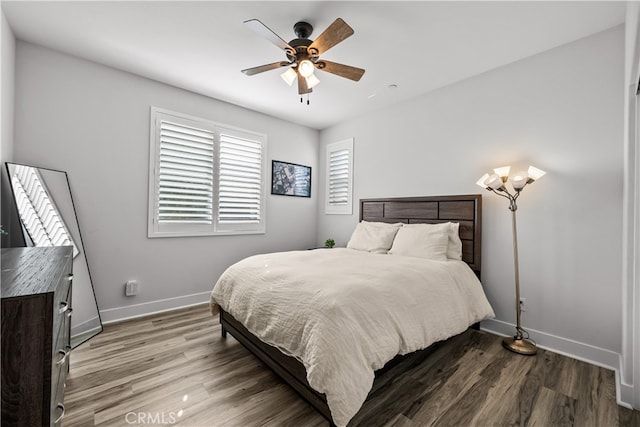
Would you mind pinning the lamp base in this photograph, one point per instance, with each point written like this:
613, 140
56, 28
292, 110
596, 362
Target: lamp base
520, 346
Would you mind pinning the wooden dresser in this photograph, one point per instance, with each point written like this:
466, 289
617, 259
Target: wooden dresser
36, 318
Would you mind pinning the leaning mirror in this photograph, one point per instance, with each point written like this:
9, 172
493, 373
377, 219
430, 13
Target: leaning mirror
47, 214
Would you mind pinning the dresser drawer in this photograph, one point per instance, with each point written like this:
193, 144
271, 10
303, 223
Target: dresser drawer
61, 353
62, 321
62, 305
58, 384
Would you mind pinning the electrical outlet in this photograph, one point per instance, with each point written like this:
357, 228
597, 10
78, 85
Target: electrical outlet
131, 288
523, 305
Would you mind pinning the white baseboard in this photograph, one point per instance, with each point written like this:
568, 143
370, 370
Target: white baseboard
119, 314
81, 327
577, 350
574, 349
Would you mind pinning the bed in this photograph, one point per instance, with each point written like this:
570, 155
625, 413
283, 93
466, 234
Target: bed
328, 322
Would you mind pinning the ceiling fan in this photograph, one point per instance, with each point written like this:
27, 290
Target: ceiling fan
303, 55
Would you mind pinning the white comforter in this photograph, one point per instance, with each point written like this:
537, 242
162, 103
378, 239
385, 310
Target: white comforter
345, 313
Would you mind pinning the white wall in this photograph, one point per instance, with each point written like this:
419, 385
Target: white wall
7, 50
93, 122
561, 111
7, 74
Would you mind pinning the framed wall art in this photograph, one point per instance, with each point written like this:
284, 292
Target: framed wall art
290, 179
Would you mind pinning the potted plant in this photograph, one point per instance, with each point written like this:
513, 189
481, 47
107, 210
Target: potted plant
330, 243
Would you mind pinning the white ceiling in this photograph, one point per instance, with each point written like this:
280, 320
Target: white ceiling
202, 46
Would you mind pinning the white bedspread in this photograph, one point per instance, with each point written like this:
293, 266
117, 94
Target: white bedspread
345, 313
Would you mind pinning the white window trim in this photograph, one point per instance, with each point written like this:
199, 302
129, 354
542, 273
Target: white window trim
191, 230
346, 208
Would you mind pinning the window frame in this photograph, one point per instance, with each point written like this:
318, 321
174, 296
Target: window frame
341, 209
154, 227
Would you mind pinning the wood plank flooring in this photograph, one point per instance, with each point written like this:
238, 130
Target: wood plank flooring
175, 369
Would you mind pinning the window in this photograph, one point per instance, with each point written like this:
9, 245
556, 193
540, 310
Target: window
205, 178
339, 178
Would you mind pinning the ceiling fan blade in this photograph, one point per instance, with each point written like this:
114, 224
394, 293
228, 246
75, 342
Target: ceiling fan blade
302, 86
263, 68
334, 34
266, 32
346, 71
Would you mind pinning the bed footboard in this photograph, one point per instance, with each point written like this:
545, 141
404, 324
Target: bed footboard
290, 369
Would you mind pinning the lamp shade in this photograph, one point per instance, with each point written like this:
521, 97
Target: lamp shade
305, 68
503, 172
494, 181
289, 76
312, 81
519, 180
482, 179
535, 173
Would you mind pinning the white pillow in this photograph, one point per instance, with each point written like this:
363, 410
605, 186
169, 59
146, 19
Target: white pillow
454, 248
428, 241
375, 237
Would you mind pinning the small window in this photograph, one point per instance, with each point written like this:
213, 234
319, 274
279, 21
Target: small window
339, 184
205, 178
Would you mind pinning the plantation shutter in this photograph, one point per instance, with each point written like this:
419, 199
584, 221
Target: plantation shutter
240, 181
37, 211
185, 182
339, 177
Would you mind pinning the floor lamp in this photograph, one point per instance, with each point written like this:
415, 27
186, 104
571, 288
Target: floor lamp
496, 183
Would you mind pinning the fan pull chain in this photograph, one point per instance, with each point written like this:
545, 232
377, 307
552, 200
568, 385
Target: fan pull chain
301, 99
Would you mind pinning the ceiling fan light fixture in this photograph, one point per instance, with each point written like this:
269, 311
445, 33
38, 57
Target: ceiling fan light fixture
289, 76
303, 55
312, 81
306, 68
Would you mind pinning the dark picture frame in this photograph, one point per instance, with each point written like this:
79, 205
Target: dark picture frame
290, 179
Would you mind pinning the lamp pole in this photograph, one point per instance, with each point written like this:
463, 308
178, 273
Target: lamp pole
518, 343
516, 271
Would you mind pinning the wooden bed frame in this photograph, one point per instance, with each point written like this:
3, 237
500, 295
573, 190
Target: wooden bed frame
464, 209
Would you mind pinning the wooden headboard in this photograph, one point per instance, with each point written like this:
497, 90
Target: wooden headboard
464, 209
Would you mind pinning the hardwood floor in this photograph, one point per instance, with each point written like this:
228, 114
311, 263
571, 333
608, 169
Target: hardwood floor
174, 369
